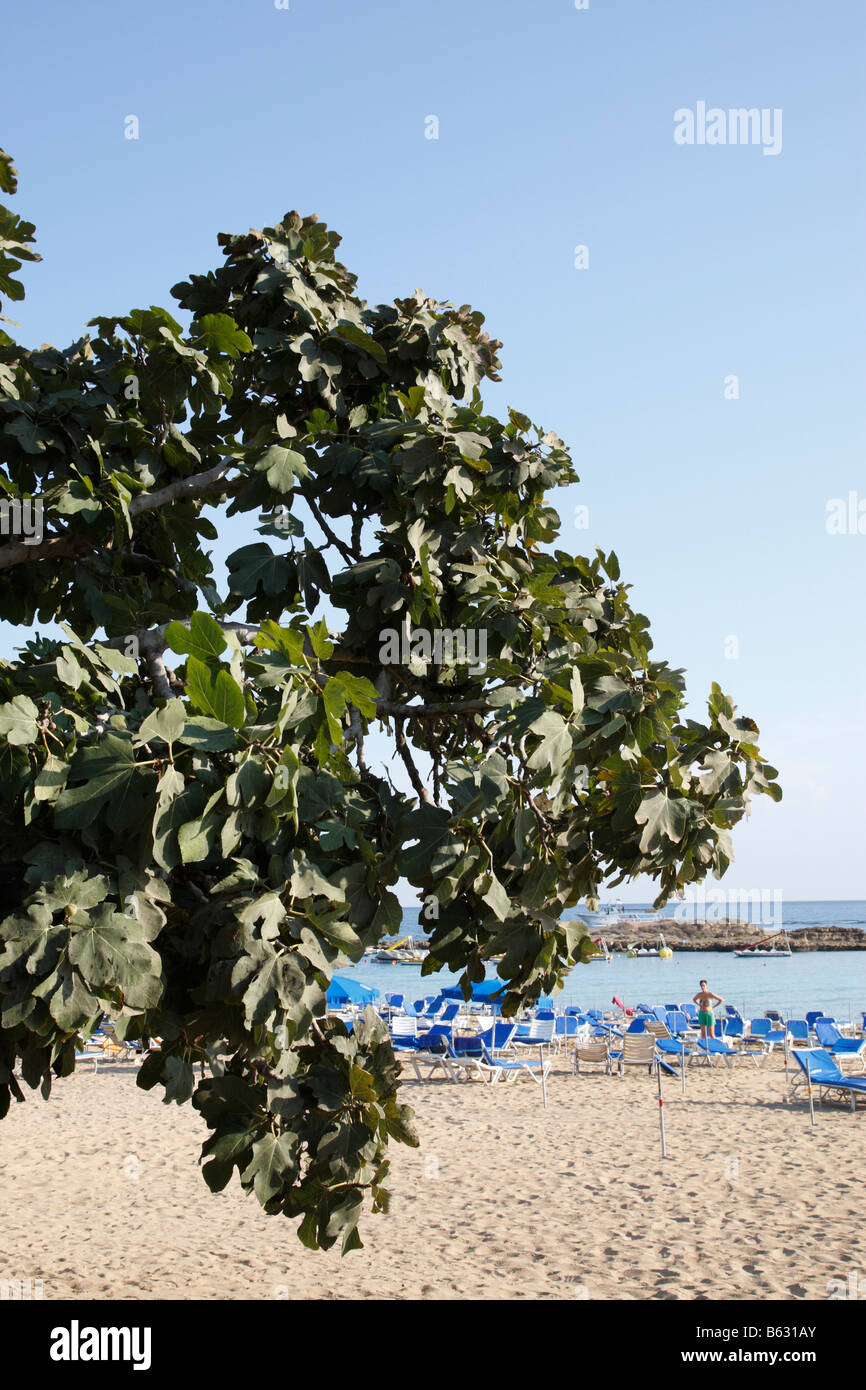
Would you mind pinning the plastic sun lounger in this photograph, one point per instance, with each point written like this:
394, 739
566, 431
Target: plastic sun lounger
591, 1054
831, 1040
798, 1030
762, 1028
819, 1069
717, 1047
435, 1062
402, 1032
472, 1057
677, 1022
115, 1049
495, 1040
657, 1028
507, 1070
433, 1051
671, 1050
541, 1033
638, 1050
568, 1026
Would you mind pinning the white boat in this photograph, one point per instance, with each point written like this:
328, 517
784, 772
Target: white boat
662, 950
404, 952
761, 949
756, 951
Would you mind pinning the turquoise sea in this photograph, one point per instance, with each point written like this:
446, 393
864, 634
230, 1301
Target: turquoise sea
834, 981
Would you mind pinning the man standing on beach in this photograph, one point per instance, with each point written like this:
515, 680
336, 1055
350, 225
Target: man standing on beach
706, 1018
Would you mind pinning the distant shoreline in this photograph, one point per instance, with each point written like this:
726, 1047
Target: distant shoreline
726, 936
722, 937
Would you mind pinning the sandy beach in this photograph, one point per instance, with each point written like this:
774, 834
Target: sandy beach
103, 1197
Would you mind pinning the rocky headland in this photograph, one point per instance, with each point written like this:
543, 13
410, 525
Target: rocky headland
726, 935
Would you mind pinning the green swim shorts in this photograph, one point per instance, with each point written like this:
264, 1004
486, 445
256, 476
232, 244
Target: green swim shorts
706, 1018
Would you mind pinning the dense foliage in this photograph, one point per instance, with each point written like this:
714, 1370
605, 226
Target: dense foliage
196, 849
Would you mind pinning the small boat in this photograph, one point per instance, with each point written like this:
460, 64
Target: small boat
771, 952
662, 950
761, 949
402, 952
602, 954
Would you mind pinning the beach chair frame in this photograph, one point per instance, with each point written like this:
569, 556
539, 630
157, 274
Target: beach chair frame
638, 1050
591, 1054
815, 1074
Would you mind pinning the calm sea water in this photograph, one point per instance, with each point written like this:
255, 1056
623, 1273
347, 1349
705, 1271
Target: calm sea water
834, 981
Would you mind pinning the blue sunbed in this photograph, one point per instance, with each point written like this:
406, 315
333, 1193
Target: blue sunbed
819, 1069
831, 1041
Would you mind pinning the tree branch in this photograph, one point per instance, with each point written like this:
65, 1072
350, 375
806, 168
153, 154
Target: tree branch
403, 749
152, 644
197, 485
436, 711
331, 534
356, 730
19, 552
151, 640
158, 675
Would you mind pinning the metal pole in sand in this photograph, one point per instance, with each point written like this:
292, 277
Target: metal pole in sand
661, 1113
683, 1062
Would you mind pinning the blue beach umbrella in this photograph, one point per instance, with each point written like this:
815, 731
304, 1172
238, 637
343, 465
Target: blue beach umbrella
487, 991
344, 990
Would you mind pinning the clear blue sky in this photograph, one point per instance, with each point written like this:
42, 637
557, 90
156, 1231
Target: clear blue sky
555, 129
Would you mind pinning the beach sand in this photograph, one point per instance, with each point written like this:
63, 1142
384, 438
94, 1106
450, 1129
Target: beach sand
102, 1197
